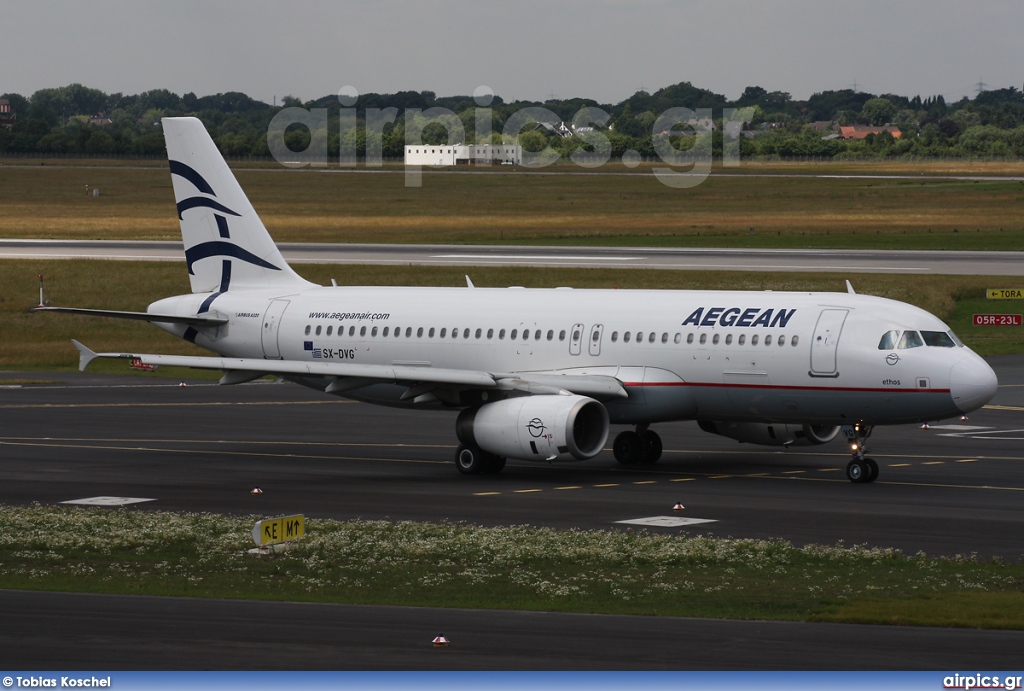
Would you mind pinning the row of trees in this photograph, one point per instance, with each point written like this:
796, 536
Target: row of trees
78, 120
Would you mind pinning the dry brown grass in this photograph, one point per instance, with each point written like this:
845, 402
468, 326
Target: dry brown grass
515, 207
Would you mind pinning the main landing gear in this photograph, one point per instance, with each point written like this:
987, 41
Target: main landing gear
470, 461
640, 446
860, 469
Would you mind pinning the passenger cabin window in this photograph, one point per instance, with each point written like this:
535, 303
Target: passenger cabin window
373, 331
703, 339
678, 338
308, 327
501, 335
937, 339
362, 331
430, 334
561, 335
352, 331
626, 336
512, 336
889, 340
689, 339
444, 332
385, 332
329, 329
318, 330
465, 333
768, 339
615, 336
911, 339
742, 339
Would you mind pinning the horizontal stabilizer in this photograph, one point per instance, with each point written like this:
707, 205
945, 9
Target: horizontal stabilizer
138, 316
85, 355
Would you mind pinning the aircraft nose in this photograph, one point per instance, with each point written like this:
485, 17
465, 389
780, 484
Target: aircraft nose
972, 384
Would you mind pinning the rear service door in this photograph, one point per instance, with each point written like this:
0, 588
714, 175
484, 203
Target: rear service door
272, 327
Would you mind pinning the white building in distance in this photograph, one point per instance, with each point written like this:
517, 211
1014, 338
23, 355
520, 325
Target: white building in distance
462, 154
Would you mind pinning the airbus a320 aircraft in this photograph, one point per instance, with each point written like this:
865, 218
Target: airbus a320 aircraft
542, 374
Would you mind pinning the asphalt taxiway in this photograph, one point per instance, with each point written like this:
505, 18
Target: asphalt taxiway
954, 488
675, 258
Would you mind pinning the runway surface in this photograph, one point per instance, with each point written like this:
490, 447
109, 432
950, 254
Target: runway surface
954, 488
853, 261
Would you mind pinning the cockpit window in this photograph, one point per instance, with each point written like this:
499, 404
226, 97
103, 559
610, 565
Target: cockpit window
959, 343
938, 339
889, 340
911, 339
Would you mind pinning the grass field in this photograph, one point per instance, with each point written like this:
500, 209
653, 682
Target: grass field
738, 210
516, 567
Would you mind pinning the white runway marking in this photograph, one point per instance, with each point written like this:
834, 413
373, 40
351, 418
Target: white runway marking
958, 428
668, 521
107, 501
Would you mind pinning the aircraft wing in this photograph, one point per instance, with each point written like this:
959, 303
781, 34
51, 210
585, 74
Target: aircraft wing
349, 376
139, 316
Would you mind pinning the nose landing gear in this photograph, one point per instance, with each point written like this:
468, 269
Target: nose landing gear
860, 469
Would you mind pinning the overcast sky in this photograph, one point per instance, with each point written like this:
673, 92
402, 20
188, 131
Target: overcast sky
522, 49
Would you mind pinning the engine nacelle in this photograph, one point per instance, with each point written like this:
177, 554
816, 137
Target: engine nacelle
772, 434
537, 428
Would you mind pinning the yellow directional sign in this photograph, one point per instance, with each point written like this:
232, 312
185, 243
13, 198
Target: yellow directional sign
1005, 293
271, 531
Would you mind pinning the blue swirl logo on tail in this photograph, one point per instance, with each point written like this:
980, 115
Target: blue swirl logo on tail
219, 248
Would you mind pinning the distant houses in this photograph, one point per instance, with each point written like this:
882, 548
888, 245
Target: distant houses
862, 131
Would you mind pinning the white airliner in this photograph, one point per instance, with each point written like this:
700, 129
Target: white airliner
541, 374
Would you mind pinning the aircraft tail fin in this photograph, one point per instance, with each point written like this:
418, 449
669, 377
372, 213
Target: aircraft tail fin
226, 244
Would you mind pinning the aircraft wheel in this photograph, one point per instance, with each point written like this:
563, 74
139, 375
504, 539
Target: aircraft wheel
872, 469
469, 460
628, 448
653, 443
857, 471
493, 464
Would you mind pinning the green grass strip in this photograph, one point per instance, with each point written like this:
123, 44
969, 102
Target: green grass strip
515, 567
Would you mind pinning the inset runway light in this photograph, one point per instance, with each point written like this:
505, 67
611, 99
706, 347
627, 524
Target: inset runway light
182, 384
440, 641
256, 491
925, 426
679, 506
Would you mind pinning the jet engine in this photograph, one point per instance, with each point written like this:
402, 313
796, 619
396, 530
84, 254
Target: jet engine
772, 434
537, 428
